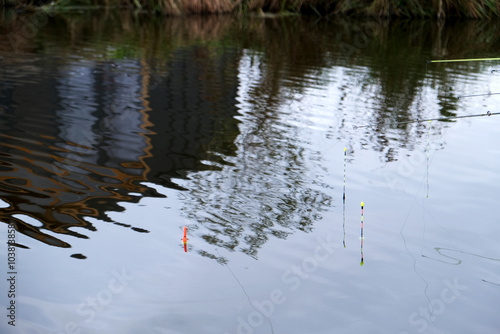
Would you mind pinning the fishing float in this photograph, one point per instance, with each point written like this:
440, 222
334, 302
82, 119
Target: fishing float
362, 205
343, 197
345, 164
185, 239
343, 226
488, 113
428, 150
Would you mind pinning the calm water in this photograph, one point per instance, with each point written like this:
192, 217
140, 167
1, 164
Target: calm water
118, 130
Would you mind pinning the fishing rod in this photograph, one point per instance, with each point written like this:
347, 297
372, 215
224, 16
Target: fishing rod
475, 95
489, 113
460, 60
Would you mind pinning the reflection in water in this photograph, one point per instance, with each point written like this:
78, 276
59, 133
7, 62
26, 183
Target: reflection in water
93, 148
343, 195
71, 156
269, 187
456, 261
100, 128
486, 281
218, 109
362, 238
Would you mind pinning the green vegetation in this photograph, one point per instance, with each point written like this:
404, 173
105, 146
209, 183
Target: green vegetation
384, 8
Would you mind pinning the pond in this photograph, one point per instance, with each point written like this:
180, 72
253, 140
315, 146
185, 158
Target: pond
263, 137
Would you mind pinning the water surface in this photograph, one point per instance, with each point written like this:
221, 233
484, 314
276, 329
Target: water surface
118, 130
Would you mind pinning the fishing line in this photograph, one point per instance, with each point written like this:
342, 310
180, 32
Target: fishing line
440, 249
475, 95
490, 282
245, 292
460, 60
406, 246
488, 113
414, 260
427, 186
458, 261
442, 261
424, 245
408, 251
435, 220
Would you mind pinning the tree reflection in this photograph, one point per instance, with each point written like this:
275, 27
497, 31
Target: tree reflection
214, 110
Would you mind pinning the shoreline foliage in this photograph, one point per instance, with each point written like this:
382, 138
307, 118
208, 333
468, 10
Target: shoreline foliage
472, 9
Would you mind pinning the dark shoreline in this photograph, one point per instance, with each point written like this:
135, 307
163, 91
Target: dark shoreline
473, 9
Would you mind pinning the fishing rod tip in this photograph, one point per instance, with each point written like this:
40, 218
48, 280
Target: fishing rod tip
488, 113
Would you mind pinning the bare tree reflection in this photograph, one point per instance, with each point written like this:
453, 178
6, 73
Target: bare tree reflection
208, 106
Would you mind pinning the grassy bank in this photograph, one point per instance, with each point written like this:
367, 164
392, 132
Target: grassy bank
485, 9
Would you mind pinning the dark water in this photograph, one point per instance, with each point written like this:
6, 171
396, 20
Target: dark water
119, 129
